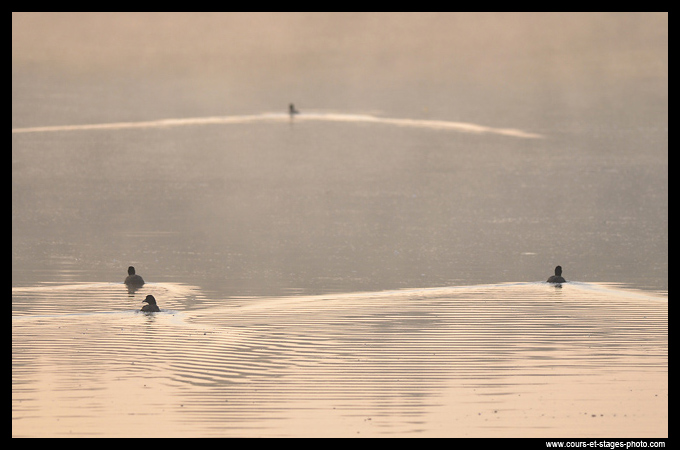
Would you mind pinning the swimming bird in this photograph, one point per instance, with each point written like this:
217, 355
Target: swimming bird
152, 306
133, 279
557, 278
292, 111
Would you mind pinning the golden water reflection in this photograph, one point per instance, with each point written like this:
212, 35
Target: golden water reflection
523, 359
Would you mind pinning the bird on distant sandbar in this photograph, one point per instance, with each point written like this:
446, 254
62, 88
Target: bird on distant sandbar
292, 111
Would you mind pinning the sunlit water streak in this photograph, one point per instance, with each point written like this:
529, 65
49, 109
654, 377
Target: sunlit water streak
527, 359
277, 117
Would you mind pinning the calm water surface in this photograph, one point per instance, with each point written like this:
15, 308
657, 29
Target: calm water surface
372, 267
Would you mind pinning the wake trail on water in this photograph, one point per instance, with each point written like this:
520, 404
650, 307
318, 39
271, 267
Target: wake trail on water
280, 117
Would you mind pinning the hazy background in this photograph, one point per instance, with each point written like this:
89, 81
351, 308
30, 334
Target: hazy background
249, 209
235, 225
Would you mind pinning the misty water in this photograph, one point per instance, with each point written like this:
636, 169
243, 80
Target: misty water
432, 151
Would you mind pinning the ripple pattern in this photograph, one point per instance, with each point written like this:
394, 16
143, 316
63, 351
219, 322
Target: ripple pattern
458, 361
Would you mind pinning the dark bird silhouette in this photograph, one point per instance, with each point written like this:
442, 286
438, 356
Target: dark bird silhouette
292, 111
152, 306
133, 280
557, 278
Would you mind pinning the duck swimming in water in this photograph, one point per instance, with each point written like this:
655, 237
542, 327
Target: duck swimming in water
133, 280
152, 306
557, 278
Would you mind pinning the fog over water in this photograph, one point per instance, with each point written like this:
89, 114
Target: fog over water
432, 151
367, 204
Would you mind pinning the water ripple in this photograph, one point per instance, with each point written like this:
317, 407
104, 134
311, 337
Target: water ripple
277, 117
264, 366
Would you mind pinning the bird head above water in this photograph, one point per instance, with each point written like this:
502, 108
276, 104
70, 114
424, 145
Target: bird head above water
557, 278
133, 281
152, 306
